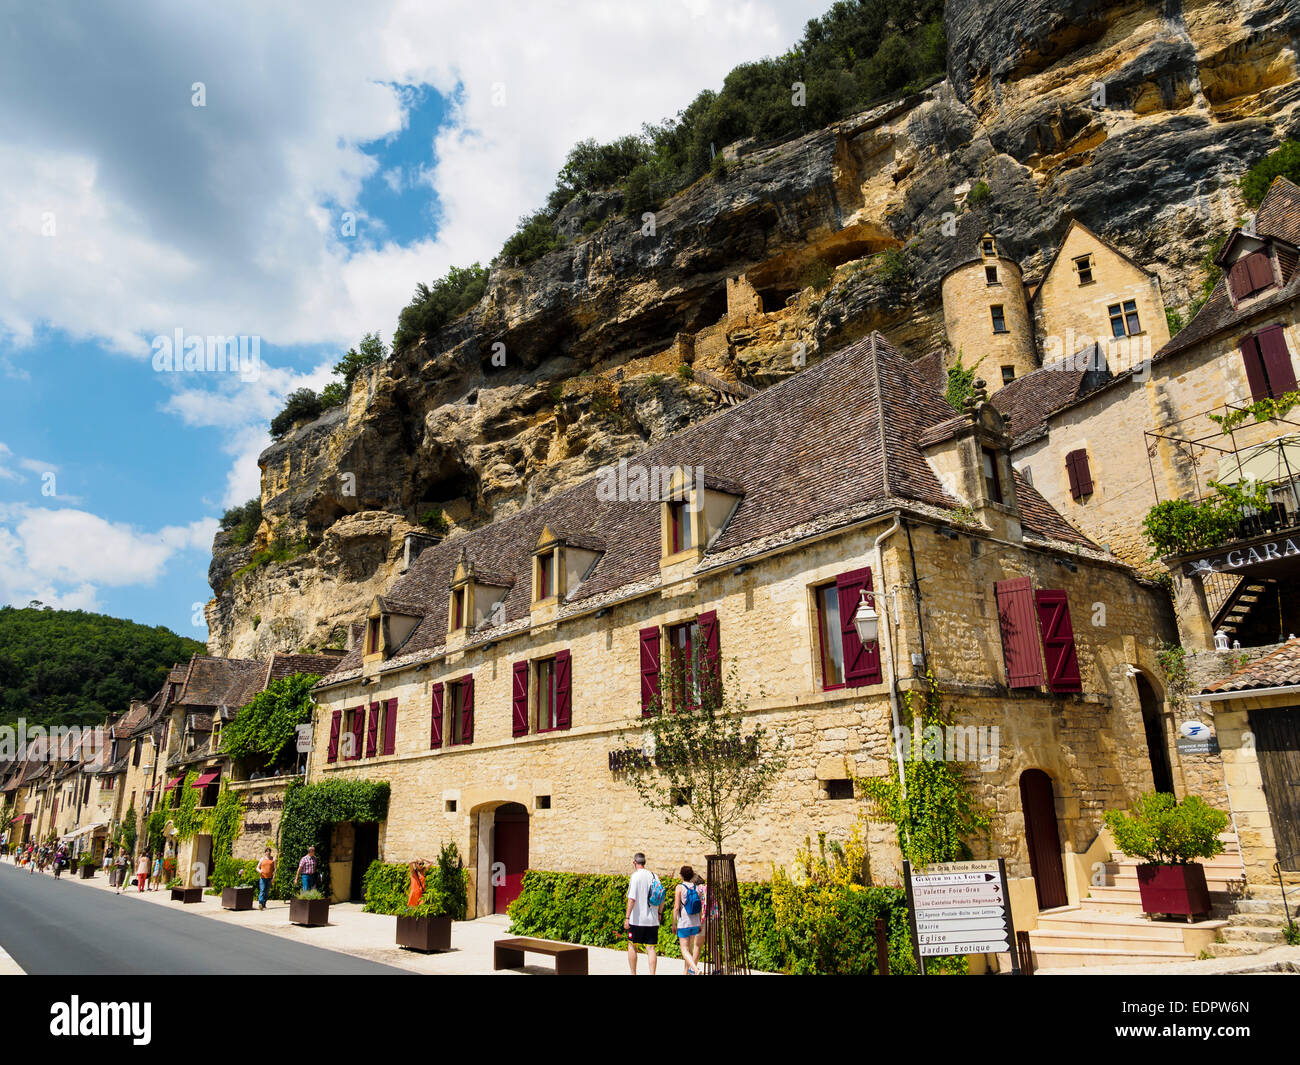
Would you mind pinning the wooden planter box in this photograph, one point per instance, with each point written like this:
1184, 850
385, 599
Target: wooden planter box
187, 894
427, 934
1177, 889
85, 872
313, 913
237, 898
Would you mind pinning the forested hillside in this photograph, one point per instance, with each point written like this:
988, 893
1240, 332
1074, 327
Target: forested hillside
69, 667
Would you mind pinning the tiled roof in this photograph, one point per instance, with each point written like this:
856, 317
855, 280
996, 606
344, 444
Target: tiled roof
1278, 216
1027, 401
221, 681
828, 441
282, 665
1275, 670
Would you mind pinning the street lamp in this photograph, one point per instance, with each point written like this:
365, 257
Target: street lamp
866, 621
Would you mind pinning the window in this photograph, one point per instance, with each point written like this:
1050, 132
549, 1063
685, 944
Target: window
1268, 364
683, 535
684, 649
988, 247
354, 724
1251, 274
545, 575
1036, 626
457, 609
460, 696
992, 482
839, 789
106, 784
542, 802
828, 630
1083, 264
546, 719
991, 275
680, 796
449, 805
999, 320
1079, 474
372, 636
1008, 374
135, 755
1124, 319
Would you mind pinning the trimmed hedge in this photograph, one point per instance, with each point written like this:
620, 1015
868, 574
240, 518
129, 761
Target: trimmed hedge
836, 937
233, 872
387, 885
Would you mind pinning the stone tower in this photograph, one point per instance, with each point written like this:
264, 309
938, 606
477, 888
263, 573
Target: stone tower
986, 316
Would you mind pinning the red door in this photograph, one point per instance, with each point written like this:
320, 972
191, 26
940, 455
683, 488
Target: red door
1039, 805
509, 855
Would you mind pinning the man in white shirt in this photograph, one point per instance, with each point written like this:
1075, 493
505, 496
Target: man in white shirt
641, 922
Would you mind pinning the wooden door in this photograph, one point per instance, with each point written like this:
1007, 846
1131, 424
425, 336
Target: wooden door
365, 849
1277, 744
1038, 802
509, 855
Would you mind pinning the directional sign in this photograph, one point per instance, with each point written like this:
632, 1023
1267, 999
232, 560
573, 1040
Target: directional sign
949, 913
961, 867
956, 894
935, 950
955, 878
963, 935
984, 924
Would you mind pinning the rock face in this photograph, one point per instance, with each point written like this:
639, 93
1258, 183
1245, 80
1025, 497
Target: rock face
1135, 118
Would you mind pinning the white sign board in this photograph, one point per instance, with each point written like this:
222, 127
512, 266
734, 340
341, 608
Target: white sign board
304, 739
960, 908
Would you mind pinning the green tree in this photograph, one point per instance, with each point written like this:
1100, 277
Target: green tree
264, 729
433, 306
301, 404
370, 351
1282, 161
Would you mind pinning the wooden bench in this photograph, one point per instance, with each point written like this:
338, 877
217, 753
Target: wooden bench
570, 960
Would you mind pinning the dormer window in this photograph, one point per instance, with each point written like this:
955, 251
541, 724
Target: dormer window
992, 481
1251, 275
457, 609
388, 625
683, 531
561, 562
987, 246
372, 636
545, 575
1083, 267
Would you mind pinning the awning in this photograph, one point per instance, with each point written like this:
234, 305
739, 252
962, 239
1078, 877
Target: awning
206, 778
173, 782
84, 830
24, 819
1271, 461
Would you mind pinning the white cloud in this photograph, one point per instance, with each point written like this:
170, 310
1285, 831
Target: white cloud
64, 556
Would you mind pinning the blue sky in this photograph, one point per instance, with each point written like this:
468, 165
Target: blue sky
165, 169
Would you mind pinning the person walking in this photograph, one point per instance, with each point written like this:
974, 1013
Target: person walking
265, 874
155, 874
119, 867
645, 901
307, 869
688, 905
141, 870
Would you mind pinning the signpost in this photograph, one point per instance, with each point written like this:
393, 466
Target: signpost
960, 908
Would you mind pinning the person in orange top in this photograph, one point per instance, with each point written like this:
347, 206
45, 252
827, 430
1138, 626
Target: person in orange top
419, 868
265, 874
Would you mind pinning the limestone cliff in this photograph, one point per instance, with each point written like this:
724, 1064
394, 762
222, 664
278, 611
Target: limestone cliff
1135, 118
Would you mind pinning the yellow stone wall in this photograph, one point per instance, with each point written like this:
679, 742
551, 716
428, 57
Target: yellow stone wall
967, 299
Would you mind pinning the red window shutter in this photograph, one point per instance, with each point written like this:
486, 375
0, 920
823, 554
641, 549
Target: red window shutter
390, 727
467, 715
336, 725
1239, 278
861, 663
435, 718
1260, 268
1254, 369
711, 649
1018, 620
1058, 641
358, 729
519, 702
1277, 360
649, 639
1076, 466
372, 733
563, 690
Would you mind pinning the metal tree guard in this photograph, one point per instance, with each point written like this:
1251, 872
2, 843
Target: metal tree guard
725, 949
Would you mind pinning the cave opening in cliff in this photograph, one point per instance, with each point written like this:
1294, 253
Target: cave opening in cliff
711, 310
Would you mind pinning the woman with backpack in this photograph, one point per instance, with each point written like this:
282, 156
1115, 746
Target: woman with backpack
688, 909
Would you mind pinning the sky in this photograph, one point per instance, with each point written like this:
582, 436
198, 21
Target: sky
284, 174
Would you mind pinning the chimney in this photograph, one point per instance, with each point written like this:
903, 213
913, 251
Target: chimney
415, 543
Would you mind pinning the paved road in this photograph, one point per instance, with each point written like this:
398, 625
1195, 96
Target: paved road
54, 927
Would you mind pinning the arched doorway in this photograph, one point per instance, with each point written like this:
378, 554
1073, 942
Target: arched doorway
1157, 747
509, 854
1038, 801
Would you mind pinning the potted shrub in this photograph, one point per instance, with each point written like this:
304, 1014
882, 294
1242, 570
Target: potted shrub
239, 897
309, 908
235, 880
86, 866
181, 893
427, 926
1169, 836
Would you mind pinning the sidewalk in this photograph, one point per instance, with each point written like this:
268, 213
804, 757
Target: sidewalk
371, 935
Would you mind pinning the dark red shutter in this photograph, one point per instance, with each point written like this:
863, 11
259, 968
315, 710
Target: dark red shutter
1239, 278
1018, 620
1058, 641
710, 650
1076, 467
861, 663
563, 690
649, 640
1260, 267
1254, 369
467, 713
390, 727
372, 733
1277, 360
519, 702
358, 730
336, 724
435, 718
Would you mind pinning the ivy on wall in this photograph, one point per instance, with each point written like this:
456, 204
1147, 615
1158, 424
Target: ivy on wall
221, 822
310, 811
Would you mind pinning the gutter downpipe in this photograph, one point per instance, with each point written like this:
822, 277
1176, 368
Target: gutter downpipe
886, 630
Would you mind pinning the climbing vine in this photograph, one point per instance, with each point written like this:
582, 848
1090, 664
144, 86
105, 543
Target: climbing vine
265, 727
1177, 525
934, 810
310, 811
1261, 410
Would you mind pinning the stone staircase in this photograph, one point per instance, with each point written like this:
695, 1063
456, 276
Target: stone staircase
1109, 928
1257, 924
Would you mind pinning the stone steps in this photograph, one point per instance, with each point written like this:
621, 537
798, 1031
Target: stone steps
1081, 935
1068, 957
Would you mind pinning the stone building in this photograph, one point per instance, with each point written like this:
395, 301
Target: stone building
500, 683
